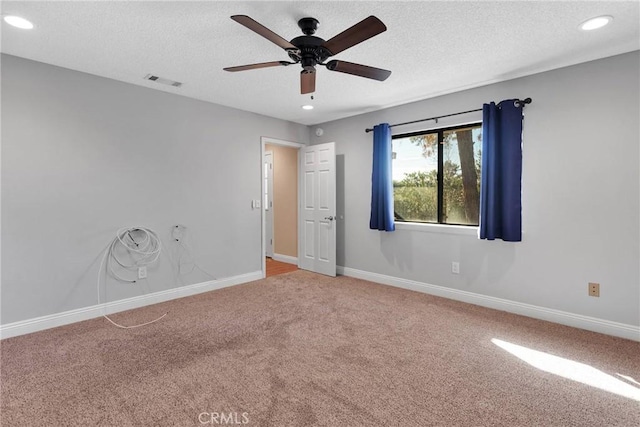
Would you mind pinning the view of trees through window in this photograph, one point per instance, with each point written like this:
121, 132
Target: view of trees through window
436, 175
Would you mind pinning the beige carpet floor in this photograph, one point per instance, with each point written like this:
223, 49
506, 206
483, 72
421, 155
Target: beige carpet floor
301, 349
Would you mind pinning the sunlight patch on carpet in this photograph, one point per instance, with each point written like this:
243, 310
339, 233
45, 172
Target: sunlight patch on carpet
570, 369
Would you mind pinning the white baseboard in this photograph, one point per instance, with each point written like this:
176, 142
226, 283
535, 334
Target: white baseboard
622, 330
59, 319
285, 258
570, 319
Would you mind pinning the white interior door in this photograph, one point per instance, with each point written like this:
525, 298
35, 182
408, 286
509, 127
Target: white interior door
268, 202
317, 251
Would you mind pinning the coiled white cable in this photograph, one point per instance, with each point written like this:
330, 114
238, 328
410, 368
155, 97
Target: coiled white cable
143, 246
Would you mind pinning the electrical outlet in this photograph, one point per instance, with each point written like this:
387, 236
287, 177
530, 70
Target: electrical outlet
142, 272
594, 289
455, 267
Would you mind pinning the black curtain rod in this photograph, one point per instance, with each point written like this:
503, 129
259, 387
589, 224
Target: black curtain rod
522, 102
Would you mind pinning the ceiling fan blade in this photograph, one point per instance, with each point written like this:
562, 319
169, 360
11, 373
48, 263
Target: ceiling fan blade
358, 70
307, 81
263, 31
360, 32
260, 65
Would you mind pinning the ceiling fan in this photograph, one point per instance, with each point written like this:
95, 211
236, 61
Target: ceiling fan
309, 50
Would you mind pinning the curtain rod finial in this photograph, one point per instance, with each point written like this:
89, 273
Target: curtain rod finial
523, 102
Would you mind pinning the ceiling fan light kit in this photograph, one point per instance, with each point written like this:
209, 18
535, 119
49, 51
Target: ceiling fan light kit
309, 50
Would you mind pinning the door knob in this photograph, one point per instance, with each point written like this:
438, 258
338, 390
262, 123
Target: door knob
330, 218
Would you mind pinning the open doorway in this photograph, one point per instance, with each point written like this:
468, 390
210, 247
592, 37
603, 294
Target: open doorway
280, 206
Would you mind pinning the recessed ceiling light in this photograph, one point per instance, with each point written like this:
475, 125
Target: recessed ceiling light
595, 23
307, 107
18, 22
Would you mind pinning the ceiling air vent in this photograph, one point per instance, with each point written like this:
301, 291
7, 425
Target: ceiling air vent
162, 80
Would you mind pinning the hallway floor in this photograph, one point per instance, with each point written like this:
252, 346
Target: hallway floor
276, 267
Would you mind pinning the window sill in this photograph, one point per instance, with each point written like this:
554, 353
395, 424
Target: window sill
438, 228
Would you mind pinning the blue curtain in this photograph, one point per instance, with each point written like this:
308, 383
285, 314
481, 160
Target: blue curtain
500, 189
381, 180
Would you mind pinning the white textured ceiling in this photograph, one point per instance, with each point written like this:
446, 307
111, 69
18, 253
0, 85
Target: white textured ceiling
431, 47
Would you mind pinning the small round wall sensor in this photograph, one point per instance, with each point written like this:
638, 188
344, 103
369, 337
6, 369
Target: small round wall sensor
319, 132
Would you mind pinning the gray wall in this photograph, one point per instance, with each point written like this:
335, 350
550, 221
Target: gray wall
580, 195
83, 156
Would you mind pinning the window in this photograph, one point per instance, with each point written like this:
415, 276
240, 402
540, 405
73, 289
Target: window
436, 175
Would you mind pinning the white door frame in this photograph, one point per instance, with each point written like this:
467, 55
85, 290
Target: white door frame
273, 141
267, 205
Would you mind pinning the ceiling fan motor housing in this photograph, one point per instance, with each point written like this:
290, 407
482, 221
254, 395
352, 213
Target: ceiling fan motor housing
310, 51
